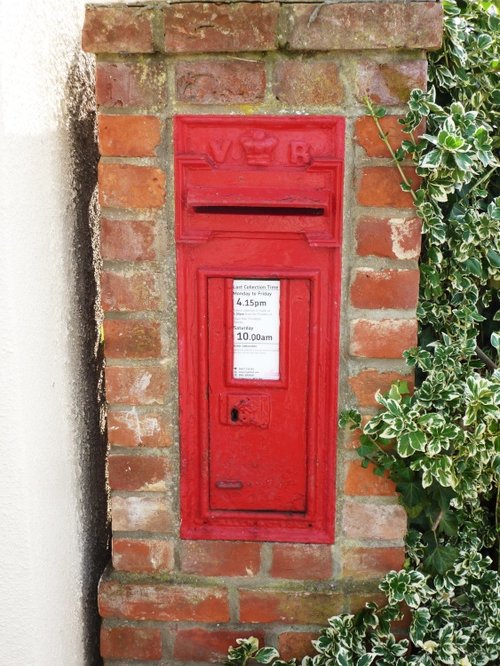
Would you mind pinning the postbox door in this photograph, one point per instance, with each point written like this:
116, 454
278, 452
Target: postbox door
258, 429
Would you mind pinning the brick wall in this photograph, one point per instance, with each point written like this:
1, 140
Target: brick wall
175, 601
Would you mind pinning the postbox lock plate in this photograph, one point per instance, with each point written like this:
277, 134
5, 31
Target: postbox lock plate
239, 409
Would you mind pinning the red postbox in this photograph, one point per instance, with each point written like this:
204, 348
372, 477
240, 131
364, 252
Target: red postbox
258, 230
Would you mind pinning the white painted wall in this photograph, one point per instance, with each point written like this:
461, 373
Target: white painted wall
41, 538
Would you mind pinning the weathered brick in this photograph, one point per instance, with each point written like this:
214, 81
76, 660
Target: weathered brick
128, 240
118, 30
142, 555
365, 563
301, 561
163, 602
141, 513
381, 186
131, 186
307, 82
363, 481
359, 26
220, 558
391, 82
131, 643
137, 472
210, 27
367, 382
394, 237
387, 338
130, 428
289, 607
370, 521
129, 291
205, 645
136, 386
367, 135
215, 82
132, 338
386, 288
296, 644
131, 85
128, 136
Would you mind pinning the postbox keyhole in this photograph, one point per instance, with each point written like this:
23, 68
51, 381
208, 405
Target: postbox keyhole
234, 415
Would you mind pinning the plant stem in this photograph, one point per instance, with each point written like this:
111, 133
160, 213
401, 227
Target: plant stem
383, 136
485, 359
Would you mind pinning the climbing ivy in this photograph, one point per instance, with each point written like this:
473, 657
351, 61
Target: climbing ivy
441, 444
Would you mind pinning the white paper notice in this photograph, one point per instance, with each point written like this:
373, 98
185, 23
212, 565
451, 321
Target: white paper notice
256, 329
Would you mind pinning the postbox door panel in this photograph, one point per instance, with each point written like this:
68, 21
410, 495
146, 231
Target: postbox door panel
258, 218
258, 439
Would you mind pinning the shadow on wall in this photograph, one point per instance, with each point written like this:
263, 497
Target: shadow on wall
88, 392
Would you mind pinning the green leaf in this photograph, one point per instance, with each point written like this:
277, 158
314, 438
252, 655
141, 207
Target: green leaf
420, 623
473, 266
410, 442
432, 160
265, 655
441, 559
493, 258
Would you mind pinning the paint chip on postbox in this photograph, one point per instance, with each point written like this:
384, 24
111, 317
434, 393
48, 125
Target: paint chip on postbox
256, 329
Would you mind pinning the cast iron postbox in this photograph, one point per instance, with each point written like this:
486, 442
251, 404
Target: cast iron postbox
258, 225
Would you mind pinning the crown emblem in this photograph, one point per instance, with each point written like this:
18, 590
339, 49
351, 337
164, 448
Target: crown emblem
259, 147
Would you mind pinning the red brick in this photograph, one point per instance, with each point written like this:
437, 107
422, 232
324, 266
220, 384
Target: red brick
394, 238
205, 645
142, 555
307, 82
377, 522
131, 85
296, 644
359, 26
288, 607
128, 240
163, 602
220, 558
365, 563
118, 30
387, 338
131, 643
363, 481
386, 288
381, 186
302, 561
136, 386
367, 382
390, 83
129, 292
141, 513
137, 472
210, 27
215, 82
130, 428
129, 136
367, 135
131, 186
132, 338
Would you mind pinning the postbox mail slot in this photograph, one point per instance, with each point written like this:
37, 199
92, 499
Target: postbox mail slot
259, 202
258, 219
216, 200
